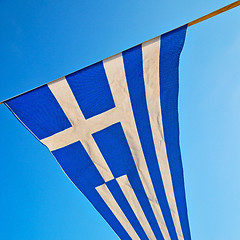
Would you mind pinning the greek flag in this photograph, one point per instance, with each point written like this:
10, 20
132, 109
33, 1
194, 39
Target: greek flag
113, 128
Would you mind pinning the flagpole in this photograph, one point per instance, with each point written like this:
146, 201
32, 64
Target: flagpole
201, 19
215, 13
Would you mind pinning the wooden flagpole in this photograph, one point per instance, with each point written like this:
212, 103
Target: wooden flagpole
201, 19
215, 13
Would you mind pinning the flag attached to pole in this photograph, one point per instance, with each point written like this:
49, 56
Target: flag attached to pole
113, 128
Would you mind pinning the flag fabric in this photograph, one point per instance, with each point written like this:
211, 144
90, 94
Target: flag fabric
113, 128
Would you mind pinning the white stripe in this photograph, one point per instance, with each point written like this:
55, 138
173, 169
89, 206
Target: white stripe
112, 204
135, 205
151, 54
79, 131
114, 68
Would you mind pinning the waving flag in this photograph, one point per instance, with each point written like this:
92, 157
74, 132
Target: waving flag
113, 128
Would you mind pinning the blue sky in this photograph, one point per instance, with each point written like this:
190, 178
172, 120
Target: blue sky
43, 40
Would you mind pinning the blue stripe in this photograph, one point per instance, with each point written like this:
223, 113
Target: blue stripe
134, 73
171, 47
114, 148
40, 112
91, 90
93, 196
126, 208
80, 169
137, 186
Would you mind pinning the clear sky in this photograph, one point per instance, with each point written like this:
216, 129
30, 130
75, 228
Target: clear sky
43, 40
